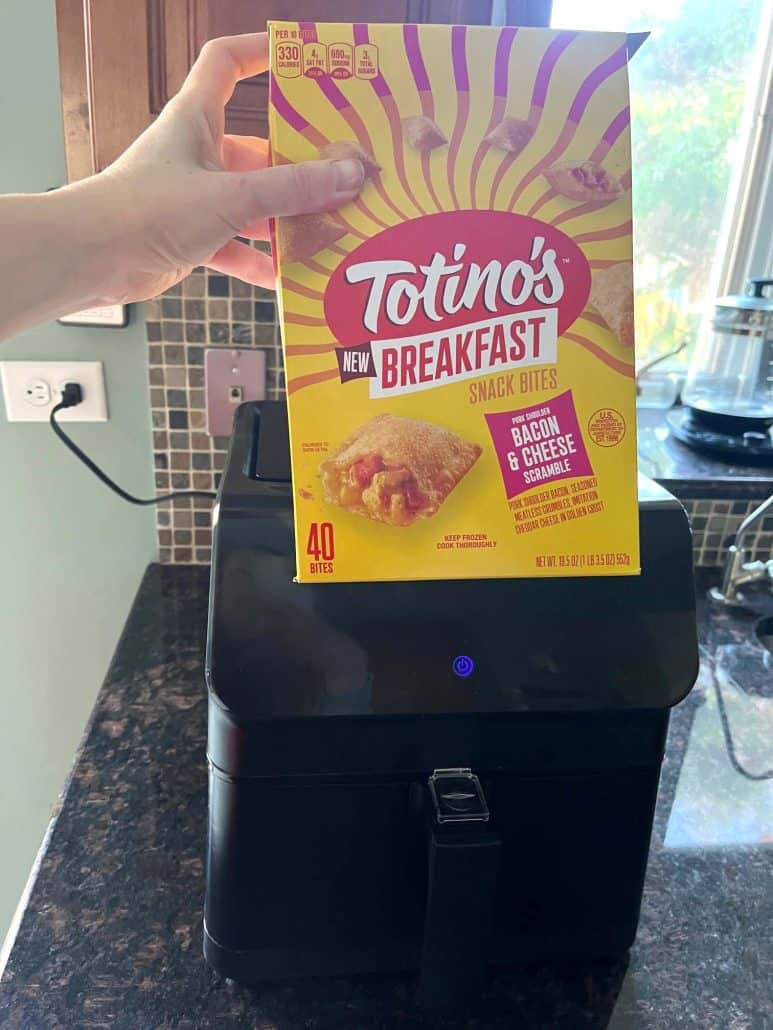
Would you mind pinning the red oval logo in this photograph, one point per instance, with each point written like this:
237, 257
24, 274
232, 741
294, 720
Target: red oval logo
454, 268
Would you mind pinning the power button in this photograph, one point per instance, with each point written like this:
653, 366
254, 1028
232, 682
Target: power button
463, 666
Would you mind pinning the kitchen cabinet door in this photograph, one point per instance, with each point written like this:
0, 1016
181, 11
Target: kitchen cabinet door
120, 62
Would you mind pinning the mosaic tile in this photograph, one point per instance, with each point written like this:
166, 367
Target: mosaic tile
195, 285
178, 419
219, 332
195, 332
172, 331
218, 310
179, 440
171, 307
218, 286
241, 311
265, 311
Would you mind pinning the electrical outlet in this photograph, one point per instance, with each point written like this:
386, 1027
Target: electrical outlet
230, 378
32, 388
38, 392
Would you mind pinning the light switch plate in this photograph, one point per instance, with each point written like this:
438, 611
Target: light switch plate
110, 316
231, 376
32, 388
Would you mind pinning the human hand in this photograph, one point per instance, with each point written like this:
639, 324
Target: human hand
184, 189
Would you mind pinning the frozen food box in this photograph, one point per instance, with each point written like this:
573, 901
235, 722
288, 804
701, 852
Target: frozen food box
459, 340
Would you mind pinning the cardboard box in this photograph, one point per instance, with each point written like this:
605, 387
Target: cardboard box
459, 341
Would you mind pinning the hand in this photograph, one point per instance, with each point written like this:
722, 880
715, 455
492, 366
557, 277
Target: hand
184, 189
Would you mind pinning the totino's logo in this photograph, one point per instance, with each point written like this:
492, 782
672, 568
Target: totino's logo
445, 289
453, 296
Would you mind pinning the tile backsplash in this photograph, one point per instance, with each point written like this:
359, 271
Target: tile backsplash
714, 522
212, 310
205, 310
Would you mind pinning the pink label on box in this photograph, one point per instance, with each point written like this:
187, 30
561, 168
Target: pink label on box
539, 444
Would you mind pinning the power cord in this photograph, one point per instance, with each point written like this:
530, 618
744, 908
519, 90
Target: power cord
72, 395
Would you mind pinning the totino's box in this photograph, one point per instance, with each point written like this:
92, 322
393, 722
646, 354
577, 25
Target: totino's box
459, 341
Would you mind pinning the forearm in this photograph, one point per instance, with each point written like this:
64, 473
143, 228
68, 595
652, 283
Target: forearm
176, 199
54, 255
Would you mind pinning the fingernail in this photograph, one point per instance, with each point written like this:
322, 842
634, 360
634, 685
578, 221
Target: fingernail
350, 174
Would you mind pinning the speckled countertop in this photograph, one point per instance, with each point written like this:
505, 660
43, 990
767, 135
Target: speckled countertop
686, 472
111, 935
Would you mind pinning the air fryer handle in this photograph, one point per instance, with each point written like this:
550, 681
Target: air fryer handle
463, 867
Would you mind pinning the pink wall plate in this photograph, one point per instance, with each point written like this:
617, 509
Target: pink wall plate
231, 376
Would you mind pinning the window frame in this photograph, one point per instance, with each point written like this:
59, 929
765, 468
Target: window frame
745, 243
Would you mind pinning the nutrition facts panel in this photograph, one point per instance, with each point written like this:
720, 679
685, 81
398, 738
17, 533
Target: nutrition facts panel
298, 53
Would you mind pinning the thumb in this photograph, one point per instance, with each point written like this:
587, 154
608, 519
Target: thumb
291, 189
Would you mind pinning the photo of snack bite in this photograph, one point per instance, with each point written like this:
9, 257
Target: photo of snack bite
396, 470
343, 148
422, 133
302, 236
512, 135
584, 180
611, 294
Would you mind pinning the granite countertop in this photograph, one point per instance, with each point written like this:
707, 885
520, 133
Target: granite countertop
688, 473
111, 934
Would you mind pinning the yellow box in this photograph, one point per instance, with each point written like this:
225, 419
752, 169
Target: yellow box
459, 341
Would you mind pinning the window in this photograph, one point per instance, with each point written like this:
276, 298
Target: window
699, 87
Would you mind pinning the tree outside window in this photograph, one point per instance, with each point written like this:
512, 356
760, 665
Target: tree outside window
688, 89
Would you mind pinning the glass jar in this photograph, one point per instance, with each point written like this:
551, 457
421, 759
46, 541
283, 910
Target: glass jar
730, 379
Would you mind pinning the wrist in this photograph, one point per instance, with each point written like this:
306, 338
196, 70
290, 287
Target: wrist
83, 214
52, 261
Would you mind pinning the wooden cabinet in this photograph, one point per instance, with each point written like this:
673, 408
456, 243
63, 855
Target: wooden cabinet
120, 62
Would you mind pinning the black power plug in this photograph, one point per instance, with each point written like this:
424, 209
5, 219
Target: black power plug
71, 395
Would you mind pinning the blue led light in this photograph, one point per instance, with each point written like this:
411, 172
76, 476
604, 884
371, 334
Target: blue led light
463, 666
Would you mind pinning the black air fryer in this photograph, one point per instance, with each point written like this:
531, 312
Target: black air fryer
431, 776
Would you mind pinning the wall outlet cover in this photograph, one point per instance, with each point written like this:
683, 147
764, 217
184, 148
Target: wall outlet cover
32, 388
231, 377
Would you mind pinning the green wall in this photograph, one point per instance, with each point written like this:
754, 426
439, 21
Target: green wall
72, 553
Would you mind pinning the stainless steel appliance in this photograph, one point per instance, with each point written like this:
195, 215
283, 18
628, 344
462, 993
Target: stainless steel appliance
728, 396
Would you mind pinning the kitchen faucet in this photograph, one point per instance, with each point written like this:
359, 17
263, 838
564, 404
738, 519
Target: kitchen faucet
737, 572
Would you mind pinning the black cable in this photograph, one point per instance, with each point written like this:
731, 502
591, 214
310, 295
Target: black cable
71, 396
729, 745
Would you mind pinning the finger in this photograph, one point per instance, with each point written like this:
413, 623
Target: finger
244, 153
290, 189
245, 263
221, 64
257, 230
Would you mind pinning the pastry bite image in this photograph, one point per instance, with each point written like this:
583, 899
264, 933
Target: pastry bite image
302, 236
422, 133
342, 148
396, 470
611, 294
512, 135
584, 180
